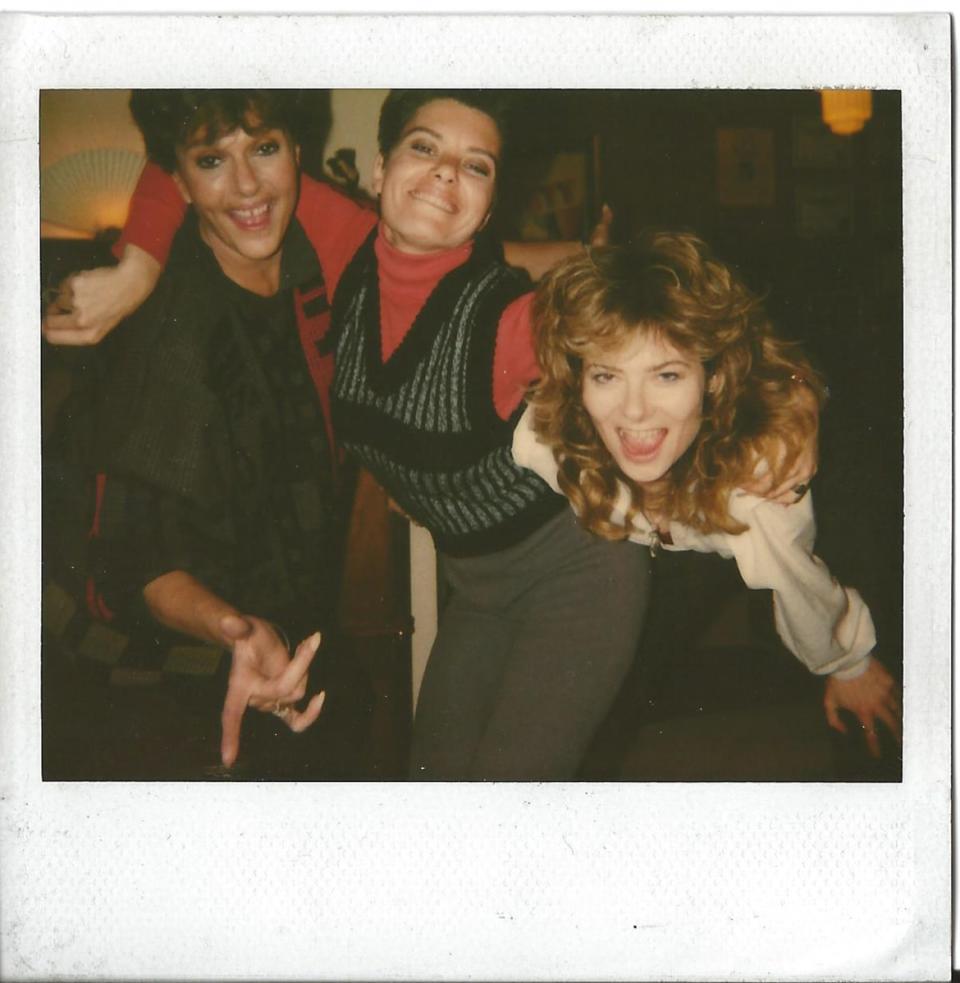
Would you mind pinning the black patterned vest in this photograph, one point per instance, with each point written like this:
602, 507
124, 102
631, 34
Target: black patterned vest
424, 422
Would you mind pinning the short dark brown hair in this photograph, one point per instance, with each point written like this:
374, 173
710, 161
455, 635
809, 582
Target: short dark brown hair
168, 118
401, 106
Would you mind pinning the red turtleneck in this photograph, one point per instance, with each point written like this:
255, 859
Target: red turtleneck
336, 227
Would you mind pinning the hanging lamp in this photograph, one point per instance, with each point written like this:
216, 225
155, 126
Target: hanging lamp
846, 110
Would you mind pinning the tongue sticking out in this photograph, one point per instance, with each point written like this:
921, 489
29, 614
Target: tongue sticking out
643, 444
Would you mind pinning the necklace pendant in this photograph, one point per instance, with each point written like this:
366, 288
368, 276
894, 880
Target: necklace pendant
654, 543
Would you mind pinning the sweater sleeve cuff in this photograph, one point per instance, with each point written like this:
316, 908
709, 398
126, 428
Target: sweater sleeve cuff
856, 670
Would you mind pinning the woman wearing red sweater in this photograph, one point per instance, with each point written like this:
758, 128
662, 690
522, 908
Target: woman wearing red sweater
433, 354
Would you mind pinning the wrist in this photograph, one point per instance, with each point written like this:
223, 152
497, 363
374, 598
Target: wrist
138, 266
855, 671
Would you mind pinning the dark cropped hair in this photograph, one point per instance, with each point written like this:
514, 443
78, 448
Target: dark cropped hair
669, 286
168, 118
401, 106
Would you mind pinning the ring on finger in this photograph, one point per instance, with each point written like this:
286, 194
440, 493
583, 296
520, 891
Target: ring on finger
280, 710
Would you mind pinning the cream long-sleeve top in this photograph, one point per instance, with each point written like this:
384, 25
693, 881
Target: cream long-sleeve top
827, 626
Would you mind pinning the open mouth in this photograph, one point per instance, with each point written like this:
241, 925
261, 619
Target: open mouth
641, 445
251, 219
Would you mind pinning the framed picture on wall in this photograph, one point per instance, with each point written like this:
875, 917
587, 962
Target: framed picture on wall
555, 201
745, 167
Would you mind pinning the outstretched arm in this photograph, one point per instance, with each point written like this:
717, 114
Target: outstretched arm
538, 257
826, 625
262, 674
89, 305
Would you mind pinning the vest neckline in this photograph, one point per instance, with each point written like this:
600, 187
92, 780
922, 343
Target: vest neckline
385, 374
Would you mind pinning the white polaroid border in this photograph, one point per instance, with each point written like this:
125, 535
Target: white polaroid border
467, 881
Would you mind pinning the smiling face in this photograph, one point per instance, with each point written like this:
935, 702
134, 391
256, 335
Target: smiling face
243, 187
436, 186
646, 402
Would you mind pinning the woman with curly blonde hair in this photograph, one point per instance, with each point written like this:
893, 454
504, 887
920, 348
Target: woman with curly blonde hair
663, 391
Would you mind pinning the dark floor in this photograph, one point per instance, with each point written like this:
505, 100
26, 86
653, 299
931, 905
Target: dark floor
114, 725
712, 697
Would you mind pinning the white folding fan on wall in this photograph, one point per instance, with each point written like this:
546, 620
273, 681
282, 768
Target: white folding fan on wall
89, 191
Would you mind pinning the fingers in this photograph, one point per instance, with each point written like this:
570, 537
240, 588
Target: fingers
873, 741
62, 323
249, 687
791, 491
61, 329
60, 299
231, 717
291, 684
833, 718
600, 236
758, 486
294, 674
300, 720
787, 496
891, 720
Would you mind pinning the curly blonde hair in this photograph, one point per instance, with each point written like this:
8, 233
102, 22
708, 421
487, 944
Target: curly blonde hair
670, 284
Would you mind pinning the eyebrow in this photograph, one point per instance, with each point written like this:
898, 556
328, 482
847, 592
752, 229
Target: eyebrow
652, 368
255, 134
439, 136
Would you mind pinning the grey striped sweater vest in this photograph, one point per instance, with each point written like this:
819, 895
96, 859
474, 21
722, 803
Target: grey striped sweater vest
424, 422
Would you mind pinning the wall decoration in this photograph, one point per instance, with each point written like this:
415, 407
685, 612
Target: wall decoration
745, 167
89, 191
556, 207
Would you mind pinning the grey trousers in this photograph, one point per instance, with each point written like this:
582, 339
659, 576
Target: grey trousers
531, 650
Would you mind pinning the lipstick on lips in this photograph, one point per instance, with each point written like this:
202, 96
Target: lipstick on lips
641, 445
254, 219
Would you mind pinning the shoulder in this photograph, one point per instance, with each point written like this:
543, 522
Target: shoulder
326, 211
529, 452
335, 225
502, 290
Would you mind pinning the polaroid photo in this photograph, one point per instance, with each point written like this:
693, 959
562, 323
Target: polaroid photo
734, 836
